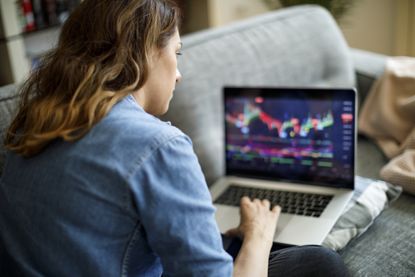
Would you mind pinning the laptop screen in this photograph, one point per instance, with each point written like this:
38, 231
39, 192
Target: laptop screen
300, 135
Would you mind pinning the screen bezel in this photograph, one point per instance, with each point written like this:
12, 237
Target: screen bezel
280, 92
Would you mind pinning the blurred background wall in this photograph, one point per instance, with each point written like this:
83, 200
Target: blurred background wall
28, 28
383, 26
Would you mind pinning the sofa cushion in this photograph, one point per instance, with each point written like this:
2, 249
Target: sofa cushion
300, 46
370, 198
387, 248
8, 106
370, 158
369, 66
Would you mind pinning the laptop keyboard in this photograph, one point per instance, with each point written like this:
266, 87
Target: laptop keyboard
306, 204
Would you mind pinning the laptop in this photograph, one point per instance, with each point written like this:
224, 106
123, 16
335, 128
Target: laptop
293, 146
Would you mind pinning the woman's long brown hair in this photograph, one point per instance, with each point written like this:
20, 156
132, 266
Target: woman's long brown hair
102, 55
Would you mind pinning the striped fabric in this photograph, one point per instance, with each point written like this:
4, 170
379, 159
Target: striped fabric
369, 199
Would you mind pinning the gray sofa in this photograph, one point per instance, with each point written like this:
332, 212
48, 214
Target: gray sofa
299, 46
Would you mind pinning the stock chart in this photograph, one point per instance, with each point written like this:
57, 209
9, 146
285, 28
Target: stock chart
280, 134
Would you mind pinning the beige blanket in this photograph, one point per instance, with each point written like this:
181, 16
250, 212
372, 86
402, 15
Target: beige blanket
388, 117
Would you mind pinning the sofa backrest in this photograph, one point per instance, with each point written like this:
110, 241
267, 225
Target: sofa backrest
8, 107
300, 46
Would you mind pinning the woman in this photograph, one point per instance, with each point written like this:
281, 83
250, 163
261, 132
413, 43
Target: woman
95, 185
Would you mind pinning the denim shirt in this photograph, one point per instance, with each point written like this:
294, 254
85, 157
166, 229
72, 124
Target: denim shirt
128, 199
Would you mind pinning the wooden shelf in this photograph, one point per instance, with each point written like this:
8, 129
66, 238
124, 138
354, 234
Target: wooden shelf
18, 49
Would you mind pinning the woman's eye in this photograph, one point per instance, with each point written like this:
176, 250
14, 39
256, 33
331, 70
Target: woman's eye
179, 53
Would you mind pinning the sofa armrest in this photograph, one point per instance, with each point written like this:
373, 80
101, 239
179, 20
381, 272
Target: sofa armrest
9, 100
368, 66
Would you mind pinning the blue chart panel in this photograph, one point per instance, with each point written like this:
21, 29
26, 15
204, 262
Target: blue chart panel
289, 135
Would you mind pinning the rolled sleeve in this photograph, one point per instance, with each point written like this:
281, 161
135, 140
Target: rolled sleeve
176, 211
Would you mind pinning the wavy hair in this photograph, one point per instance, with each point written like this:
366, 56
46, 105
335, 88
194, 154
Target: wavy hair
101, 56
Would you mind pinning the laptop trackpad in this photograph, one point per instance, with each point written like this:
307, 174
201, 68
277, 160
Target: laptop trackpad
228, 217
283, 221
291, 229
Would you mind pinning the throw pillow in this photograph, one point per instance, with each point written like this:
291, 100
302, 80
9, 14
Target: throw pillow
369, 199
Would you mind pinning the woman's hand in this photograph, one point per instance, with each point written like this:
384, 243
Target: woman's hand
257, 220
257, 228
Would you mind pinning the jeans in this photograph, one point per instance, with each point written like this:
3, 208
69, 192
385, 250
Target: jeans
309, 260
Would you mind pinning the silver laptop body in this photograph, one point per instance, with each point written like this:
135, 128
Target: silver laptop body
299, 142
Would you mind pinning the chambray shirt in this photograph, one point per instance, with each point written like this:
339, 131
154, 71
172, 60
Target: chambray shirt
127, 199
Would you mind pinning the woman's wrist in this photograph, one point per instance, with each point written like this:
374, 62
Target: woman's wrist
252, 259
258, 239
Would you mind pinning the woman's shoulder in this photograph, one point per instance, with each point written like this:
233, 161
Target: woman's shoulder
128, 123
123, 139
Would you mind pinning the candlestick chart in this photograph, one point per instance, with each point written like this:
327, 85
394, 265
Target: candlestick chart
296, 126
298, 137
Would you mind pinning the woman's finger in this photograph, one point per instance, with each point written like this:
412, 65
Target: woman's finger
245, 200
276, 209
266, 203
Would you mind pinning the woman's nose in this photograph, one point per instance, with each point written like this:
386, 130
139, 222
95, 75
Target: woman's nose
178, 76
